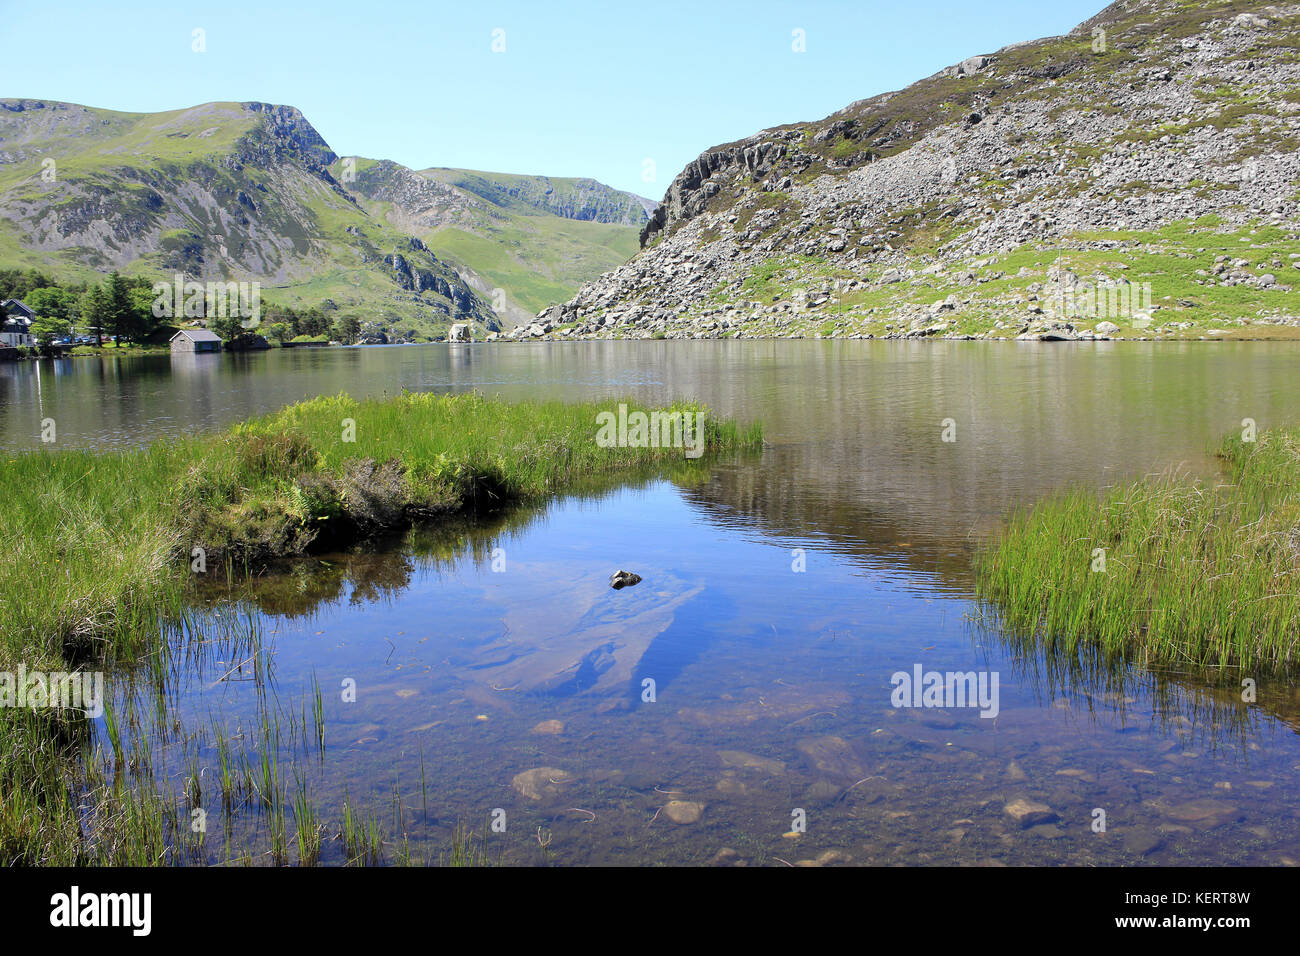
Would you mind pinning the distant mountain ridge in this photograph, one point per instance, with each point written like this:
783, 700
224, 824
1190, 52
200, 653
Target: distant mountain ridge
534, 238
251, 191
570, 198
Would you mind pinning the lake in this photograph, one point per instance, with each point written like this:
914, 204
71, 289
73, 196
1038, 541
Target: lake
738, 705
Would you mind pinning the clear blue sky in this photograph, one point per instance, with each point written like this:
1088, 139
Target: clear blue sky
582, 88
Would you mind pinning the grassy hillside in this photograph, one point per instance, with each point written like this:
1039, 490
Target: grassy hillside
534, 237
538, 260
222, 191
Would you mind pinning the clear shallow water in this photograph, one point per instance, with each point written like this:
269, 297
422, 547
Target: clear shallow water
772, 686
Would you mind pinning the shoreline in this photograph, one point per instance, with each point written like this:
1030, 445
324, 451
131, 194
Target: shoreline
110, 541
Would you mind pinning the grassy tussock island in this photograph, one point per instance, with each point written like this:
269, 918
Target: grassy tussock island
1195, 573
94, 536
100, 545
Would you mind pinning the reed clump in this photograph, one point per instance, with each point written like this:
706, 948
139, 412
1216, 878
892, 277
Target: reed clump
1164, 571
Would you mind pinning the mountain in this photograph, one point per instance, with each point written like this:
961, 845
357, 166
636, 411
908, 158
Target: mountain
581, 199
534, 237
1136, 177
251, 191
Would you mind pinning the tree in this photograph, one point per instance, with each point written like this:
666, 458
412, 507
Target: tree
94, 311
46, 330
53, 303
279, 331
122, 317
312, 322
347, 328
141, 296
228, 327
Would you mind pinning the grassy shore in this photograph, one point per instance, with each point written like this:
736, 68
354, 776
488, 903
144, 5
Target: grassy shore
103, 545
1165, 571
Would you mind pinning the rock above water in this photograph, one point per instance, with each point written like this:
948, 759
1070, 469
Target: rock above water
541, 783
549, 727
683, 811
623, 579
1029, 813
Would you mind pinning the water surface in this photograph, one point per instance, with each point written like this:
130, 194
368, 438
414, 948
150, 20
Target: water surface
495, 670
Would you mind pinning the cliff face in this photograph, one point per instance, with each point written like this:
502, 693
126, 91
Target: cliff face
1153, 148
289, 133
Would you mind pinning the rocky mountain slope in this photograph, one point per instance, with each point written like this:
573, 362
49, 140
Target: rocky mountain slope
1137, 177
523, 241
582, 199
251, 191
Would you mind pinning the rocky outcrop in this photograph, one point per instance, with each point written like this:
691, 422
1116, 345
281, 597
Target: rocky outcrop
700, 181
291, 133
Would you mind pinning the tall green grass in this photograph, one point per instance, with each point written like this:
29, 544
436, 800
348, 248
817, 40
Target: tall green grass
1203, 574
336, 466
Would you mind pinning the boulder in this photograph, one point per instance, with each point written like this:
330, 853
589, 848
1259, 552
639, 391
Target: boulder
1028, 813
683, 811
541, 783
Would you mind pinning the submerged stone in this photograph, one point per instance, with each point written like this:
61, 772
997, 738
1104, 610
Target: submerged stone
747, 761
1142, 842
541, 783
822, 792
833, 755
1204, 813
683, 811
1029, 813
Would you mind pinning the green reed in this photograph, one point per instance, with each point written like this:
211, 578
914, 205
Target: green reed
1166, 570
